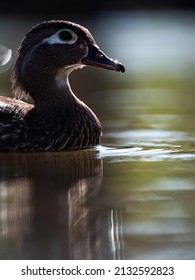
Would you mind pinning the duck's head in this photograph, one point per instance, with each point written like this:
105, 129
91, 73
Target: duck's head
50, 51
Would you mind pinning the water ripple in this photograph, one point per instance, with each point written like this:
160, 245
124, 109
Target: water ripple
149, 145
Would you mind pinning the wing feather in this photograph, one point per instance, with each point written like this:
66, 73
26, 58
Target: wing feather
10, 108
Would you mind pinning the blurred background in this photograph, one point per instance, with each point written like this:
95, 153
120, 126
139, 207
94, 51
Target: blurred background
134, 198
90, 9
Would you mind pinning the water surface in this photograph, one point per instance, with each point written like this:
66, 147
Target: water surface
134, 196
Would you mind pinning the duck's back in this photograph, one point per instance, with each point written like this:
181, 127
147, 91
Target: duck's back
12, 113
12, 108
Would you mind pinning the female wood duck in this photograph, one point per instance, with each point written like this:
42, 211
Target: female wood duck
58, 120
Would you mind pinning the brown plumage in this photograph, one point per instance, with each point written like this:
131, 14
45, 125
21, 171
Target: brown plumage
58, 120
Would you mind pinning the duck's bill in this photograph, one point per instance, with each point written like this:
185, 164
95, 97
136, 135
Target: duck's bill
97, 58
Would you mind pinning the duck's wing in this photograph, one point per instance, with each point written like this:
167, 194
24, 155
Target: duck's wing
10, 108
12, 124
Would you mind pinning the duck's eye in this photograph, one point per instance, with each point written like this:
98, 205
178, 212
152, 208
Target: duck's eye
63, 36
67, 35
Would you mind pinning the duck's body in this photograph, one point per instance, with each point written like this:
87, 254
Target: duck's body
58, 120
50, 127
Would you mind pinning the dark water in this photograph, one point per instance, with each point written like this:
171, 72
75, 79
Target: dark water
133, 197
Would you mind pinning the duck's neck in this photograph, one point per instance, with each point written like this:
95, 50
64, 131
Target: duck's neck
47, 86
58, 93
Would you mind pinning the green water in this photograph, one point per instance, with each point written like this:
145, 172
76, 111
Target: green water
134, 196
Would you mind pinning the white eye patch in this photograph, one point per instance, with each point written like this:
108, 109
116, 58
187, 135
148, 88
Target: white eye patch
63, 36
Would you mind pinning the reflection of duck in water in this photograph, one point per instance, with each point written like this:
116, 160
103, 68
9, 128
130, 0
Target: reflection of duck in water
50, 205
58, 120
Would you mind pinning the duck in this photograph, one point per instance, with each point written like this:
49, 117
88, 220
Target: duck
55, 120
